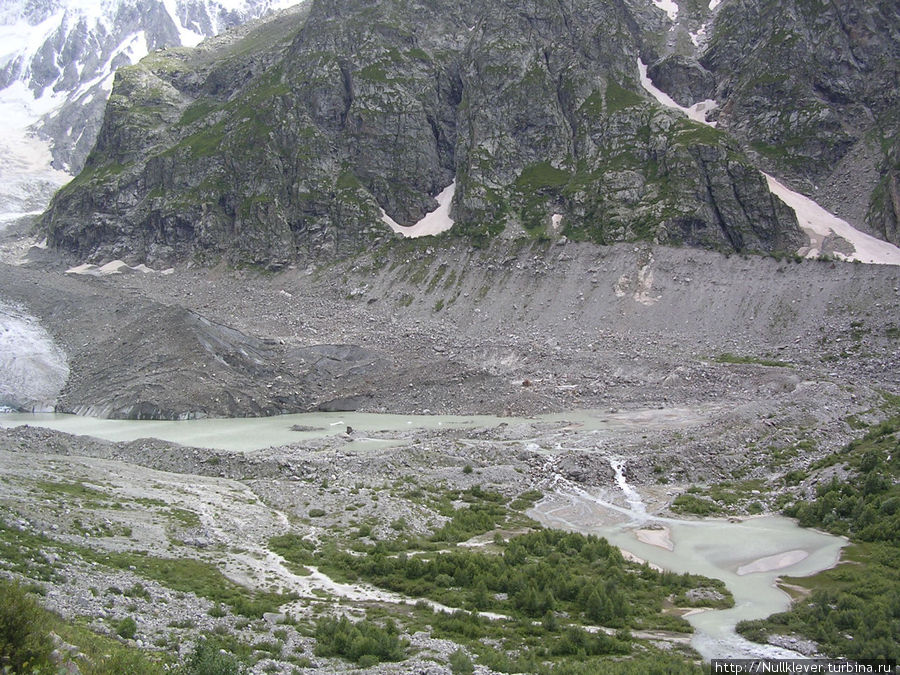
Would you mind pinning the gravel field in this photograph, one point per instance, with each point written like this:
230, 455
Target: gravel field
703, 368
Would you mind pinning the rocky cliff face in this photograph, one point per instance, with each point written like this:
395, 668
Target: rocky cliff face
810, 85
883, 216
286, 140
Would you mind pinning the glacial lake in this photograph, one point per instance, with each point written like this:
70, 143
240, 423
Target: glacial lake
748, 555
246, 434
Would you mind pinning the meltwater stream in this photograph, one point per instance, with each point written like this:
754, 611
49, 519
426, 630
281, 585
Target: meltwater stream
748, 556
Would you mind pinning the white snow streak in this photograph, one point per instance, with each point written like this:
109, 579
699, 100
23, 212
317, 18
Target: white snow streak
433, 223
555, 221
113, 267
813, 219
187, 37
134, 47
669, 7
819, 223
699, 37
26, 178
696, 112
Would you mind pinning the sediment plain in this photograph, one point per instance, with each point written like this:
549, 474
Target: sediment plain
701, 370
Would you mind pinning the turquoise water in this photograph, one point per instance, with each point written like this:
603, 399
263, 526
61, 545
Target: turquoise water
744, 554
246, 433
254, 433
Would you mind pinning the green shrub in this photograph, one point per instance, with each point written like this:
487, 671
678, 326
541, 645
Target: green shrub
688, 503
25, 644
217, 611
126, 628
364, 642
544, 571
209, 659
853, 610
137, 590
460, 663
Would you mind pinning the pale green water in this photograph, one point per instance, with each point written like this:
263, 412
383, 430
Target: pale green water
718, 549
254, 433
713, 548
246, 433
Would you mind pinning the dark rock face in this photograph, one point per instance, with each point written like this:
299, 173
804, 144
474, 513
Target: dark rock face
683, 78
285, 141
803, 82
884, 209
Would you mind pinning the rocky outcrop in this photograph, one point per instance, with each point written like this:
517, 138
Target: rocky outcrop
285, 141
683, 78
803, 83
884, 211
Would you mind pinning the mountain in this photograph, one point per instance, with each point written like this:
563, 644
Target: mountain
812, 87
302, 137
56, 70
317, 132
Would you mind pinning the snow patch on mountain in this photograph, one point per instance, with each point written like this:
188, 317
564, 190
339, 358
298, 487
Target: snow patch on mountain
697, 112
114, 267
433, 223
819, 224
813, 219
57, 63
669, 7
27, 179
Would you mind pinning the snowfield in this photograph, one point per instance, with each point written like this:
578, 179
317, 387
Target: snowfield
819, 223
697, 112
669, 7
31, 35
27, 178
433, 223
113, 267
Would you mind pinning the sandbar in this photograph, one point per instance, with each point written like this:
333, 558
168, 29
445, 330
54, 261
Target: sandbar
656, 537
773, 562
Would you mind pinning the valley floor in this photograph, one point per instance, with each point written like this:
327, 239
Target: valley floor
725, 376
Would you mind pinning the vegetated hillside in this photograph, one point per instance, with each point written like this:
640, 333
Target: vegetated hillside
812, 87
286, 142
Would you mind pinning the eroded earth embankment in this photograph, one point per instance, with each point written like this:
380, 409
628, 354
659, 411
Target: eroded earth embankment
449, 328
